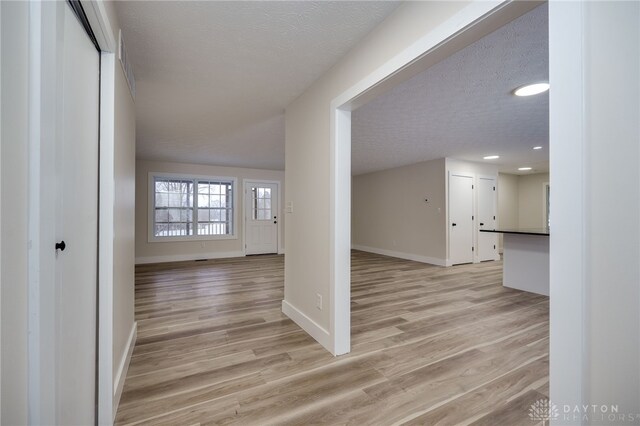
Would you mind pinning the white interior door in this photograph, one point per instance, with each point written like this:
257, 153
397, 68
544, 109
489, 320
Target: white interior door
261, 218
487, 242
77, 225
460, 219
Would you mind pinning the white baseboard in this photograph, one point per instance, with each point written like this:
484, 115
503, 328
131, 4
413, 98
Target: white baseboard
307, 324
123, 367
401, 255
186, 257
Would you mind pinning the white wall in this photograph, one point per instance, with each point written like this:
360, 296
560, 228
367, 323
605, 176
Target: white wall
149, 252
124, 223
123, 211
521, 201
594, 72
308, 264
13, 154
531, 200
390, 216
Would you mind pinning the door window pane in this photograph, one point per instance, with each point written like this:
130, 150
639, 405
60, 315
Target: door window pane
261, 203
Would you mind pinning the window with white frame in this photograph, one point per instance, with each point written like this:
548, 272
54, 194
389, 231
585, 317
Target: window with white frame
185, 207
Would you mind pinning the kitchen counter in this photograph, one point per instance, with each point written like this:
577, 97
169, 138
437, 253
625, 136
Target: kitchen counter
521, 231
526, 258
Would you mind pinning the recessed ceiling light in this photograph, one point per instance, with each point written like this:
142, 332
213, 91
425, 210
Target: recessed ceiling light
491, 157
524, 169
531, 89
537, 147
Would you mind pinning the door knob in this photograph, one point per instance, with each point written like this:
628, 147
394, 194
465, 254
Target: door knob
275, 221
453, 224
61, 246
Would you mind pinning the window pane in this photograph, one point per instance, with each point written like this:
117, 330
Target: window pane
174, 215
203, 215
162, 215
162, 200
161, 230
267, 193
173, 202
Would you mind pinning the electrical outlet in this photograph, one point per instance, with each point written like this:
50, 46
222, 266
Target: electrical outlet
319, 301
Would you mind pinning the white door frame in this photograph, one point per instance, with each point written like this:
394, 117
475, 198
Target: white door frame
494, 178
465, 27
545, 203
474, 213
245, 211
44, 57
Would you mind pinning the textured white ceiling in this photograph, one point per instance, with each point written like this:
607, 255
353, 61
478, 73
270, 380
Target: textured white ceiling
462, 107
213, 78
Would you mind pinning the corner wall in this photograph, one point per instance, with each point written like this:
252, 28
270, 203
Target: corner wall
521, 201
390, 215
152, 252
594, 70
531, 197
308, 235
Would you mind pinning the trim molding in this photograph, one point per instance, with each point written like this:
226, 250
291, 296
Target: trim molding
185, 257
401, 255
307, 324
123, 367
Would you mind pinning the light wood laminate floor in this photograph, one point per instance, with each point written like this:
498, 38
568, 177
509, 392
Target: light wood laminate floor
430, 345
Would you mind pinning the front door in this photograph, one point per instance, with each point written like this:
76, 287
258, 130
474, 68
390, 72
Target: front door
261, 217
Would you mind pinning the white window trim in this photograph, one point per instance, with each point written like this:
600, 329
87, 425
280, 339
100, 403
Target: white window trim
151, 238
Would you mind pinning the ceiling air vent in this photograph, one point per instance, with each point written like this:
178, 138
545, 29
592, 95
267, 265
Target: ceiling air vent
126, 65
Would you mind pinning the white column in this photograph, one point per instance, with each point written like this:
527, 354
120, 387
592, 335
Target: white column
594, 70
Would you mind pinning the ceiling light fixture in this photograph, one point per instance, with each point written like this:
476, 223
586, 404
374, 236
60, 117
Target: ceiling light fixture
524, 169
491, 157
531, 89
537, 147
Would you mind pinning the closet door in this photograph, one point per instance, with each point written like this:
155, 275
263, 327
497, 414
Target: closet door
77, 226
460, 219
487, 242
